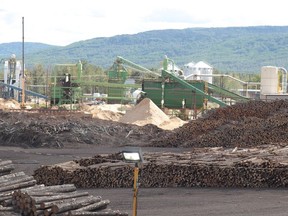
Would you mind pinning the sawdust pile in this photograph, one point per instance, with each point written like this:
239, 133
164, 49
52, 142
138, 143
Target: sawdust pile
172, 123
112, 112
146, 112
9, 104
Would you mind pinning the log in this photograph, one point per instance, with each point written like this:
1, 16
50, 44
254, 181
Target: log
5, 196
5, 162
17, 186
101, 204
16, 181
59, 197
100, 213
9, 176
76, 203
59, 188
3, 209
6, 169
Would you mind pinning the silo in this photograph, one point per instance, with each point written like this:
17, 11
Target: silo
269, 80
6, 71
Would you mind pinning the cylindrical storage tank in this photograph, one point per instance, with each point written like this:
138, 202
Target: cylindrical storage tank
6, 71
269, 80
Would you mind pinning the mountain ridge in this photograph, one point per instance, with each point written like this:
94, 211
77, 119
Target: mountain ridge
227, 49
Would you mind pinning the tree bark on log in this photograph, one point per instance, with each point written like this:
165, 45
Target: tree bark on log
95, 206
100, 213
17, 186
6, 169
74, 204
58, 197
20, 179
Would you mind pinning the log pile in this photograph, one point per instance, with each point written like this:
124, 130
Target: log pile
19, 193
9, 182
242, 125
61, 200
202, 167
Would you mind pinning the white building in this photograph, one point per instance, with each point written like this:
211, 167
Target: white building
198, 71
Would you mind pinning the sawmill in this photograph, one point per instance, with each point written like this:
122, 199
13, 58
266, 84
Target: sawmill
169, 87
240, 142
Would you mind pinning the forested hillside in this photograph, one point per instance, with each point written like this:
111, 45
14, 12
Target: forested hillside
234, 49
7, 49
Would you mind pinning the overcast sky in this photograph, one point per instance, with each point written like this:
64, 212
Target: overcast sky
61, 22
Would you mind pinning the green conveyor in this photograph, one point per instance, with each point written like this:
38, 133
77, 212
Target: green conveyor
227, 94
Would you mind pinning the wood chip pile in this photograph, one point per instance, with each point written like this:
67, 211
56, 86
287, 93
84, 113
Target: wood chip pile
242, 125
19, 193
260, 167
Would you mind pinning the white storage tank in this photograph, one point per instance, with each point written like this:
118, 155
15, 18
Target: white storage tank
269, 80
6, 71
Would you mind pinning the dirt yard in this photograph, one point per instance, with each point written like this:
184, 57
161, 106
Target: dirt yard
33, 139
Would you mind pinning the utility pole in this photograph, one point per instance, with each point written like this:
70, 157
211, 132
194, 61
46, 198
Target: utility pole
23, 76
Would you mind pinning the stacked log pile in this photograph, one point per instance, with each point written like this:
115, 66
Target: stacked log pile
60, 200
19, 193
9, 182
241, 125
203, 167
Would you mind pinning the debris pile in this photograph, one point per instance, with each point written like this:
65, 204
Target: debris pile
262, 167
25, 129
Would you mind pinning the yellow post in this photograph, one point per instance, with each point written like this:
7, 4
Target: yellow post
135, 189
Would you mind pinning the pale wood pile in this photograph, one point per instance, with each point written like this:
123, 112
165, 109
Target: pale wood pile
203, 167
19, 193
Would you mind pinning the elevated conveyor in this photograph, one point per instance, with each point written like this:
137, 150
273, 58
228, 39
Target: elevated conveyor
122, 61
27, 92
226, 94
